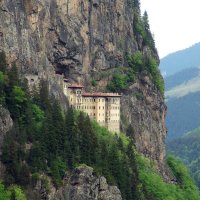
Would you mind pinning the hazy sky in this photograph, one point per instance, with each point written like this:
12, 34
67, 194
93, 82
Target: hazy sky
174, 23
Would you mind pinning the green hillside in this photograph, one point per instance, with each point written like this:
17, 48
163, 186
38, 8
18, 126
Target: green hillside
182, 98
183, 115
181, 77
65, 140
187, 148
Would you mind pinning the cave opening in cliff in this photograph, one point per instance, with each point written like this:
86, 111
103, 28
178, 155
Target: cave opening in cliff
62, 70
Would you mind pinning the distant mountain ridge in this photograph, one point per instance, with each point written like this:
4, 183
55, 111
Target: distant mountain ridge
183, 115
176, 62
182, 90
183, 83
181, 77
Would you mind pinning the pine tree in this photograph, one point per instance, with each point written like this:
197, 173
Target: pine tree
114, 163
13, 76
48, 136
83, 139
92, 140
72, 133
134, 177
146, 21
58, 128
136, 4
88, 140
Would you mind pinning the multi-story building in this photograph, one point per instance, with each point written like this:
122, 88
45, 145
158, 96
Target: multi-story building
103, 107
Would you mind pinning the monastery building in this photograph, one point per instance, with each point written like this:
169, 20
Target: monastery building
103, 107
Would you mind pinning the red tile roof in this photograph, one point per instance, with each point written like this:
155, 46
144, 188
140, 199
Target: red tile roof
74, 85
99, 94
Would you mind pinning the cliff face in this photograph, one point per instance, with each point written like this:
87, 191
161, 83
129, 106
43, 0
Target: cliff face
85, 40
65, 35
145, 110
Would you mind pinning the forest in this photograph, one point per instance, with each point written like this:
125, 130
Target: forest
47, 139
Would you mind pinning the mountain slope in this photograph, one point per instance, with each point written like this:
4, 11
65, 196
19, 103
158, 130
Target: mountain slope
181, 77
181, 60
183, 114
65, 141
104, 45
182, 97
187, 148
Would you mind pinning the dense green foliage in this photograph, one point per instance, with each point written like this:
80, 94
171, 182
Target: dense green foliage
124, 76
154, 188
43, 132
187, 148
121, 79
47, 140
13, 192
141, 28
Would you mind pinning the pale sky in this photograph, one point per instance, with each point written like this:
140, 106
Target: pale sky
174, 23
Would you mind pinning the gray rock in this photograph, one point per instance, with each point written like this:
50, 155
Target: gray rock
144, 108
85, 40
82, 184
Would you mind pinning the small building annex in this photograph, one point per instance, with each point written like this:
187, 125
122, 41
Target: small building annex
103, 107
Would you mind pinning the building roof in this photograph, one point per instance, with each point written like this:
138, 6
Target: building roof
100, 94
74, 85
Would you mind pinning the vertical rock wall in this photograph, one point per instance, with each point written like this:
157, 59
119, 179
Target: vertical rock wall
84, 39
